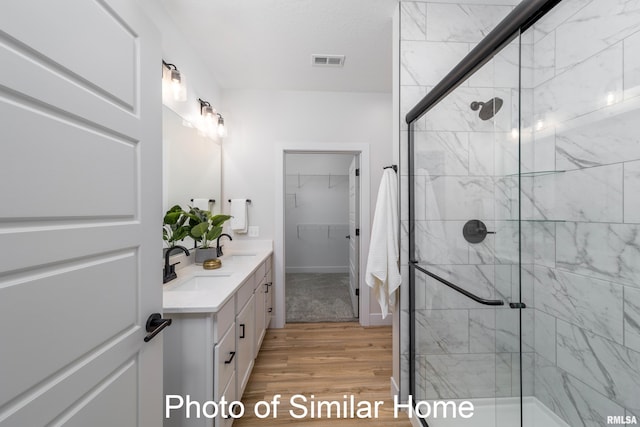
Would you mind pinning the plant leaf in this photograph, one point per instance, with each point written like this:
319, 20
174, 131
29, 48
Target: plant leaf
180, 233
214, 233
219, 219
172, 217
199, 230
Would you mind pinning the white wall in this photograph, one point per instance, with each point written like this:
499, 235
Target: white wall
260, 121
317, 213
176, 49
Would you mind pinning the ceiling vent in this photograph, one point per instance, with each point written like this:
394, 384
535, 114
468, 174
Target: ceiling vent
327, 60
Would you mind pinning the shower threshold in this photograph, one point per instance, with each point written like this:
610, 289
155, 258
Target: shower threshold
501, 412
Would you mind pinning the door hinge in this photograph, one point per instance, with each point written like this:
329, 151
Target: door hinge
357, 231
357, 292
358, 172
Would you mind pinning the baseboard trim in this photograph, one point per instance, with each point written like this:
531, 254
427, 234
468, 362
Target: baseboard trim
329, 269
395, 390
375, 319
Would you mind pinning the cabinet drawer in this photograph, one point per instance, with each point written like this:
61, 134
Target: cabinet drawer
260, 272
245, 323
224, 360
224, 319
245, 292
229, 394
268, 262
259, 301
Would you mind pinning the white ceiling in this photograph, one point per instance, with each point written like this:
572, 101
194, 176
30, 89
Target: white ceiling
267, 44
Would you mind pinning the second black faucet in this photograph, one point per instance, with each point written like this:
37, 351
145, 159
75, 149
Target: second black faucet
218, 247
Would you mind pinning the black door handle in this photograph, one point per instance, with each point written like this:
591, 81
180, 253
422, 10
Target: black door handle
242, 333
155, 323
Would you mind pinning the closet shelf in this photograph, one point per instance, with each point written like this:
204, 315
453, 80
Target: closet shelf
302, 227
329, 176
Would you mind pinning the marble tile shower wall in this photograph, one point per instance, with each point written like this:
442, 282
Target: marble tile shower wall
464, 350
580, 202
583, 201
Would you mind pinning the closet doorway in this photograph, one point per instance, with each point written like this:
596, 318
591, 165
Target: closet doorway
321, 233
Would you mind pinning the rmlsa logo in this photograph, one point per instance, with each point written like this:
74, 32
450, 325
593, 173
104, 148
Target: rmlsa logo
621, 420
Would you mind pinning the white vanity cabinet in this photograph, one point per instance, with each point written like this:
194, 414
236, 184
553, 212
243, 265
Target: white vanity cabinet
268, 301
260, 326
263, 302
199, 353
245, 326
210, 347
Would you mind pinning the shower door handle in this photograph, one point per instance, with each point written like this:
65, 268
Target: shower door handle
457, 288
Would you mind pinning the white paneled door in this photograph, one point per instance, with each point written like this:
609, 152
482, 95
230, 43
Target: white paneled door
80, 214
354, 235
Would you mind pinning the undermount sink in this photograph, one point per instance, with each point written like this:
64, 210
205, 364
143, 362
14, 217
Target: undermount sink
200, 283
241, 257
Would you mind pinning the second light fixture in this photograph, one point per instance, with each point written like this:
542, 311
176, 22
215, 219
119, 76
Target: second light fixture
213, 121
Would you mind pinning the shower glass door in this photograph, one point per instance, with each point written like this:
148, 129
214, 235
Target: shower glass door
465, 248
524, 191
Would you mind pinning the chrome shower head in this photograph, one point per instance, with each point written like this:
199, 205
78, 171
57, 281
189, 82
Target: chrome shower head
487, 109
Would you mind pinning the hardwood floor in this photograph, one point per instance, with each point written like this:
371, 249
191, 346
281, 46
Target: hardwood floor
328, 361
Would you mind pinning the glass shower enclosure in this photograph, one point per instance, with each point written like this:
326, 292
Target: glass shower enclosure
524, 222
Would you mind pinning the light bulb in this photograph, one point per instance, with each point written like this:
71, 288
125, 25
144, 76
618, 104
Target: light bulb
222, 130
176, 90
174, 82
209, 113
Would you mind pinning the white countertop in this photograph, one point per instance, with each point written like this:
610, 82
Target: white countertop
236, 268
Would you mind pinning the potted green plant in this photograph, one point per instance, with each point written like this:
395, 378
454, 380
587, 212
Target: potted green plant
175, 227
205, 228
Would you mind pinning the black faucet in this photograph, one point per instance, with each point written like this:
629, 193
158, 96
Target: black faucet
169, 271
218, 247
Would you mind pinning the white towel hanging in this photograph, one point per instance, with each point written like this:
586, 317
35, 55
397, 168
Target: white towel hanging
382, 273
239, 214
202, 204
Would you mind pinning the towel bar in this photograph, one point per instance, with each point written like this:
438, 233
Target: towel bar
248, 201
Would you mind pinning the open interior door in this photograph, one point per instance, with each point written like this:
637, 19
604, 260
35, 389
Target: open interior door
80, 217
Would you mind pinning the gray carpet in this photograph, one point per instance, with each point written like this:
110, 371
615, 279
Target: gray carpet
318, 297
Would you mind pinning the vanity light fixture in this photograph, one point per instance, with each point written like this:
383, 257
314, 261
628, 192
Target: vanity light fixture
174, 81
206, 110
222, 129
213, 122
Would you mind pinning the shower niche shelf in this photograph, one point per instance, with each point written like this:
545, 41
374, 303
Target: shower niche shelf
532, 220
537, 173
